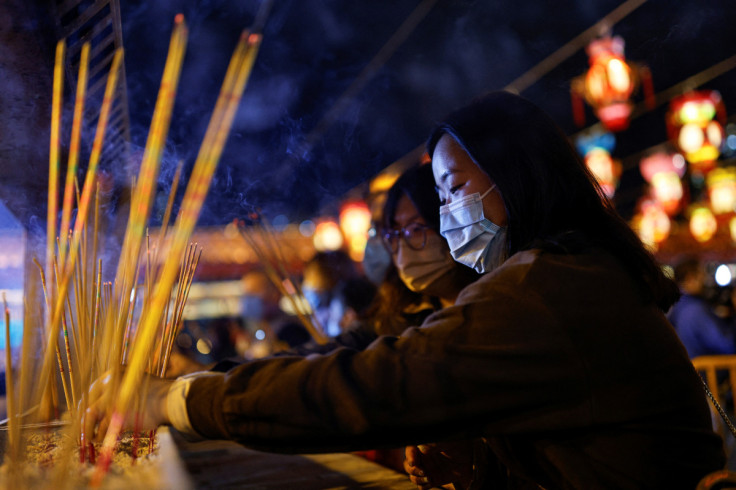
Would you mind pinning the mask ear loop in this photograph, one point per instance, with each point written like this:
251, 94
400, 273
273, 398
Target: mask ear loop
487, 192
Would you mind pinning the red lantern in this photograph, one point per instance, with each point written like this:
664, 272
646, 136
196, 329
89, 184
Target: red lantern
651, 223
693, 127
608, 84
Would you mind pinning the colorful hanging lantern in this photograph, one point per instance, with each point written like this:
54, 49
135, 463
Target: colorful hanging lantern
664, 172
721, 185
652, 223
596, 150
608, 84
693, 127
703, 224
605, 169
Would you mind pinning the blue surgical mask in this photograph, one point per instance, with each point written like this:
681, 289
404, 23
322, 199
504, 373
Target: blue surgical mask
316, 299
376, 260
473, 239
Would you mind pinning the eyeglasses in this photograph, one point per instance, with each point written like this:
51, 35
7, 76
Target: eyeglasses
414, 234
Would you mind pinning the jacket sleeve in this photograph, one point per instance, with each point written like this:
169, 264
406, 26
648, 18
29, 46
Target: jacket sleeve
485, 364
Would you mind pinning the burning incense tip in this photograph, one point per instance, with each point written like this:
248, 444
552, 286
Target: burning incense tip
179, 18
254, 38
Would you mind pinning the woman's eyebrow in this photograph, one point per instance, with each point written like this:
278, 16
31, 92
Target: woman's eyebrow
446, 174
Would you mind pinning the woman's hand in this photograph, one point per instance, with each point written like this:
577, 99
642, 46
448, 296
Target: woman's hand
435, 465
100, 401
179, 365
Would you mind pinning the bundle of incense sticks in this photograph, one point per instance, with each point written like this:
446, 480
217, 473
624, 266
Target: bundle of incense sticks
102, 324
218, 129
262, 239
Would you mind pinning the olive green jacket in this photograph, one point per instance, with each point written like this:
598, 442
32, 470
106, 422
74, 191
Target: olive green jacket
554, 359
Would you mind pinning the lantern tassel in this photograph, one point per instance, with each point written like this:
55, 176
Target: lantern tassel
648, 86
578, 110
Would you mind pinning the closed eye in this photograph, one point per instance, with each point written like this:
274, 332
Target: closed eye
455, 188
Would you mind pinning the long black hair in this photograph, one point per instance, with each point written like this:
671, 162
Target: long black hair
416, 183
551, 198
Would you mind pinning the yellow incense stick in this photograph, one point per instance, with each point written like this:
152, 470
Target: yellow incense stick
71, 170
69, 266
145, 187
58, 352
218, 129
9, 386
167, 212
56, 112
94, 158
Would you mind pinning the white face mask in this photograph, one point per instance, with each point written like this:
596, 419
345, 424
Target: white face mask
420, 269
474, 240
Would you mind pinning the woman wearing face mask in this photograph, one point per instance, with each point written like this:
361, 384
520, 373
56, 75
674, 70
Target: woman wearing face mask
559, 357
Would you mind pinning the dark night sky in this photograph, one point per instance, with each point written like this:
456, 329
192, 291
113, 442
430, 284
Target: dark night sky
314, 49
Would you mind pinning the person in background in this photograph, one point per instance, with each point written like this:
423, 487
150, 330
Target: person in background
269, 327
355, 296
323, 276
699, 328
262, 329
558, 360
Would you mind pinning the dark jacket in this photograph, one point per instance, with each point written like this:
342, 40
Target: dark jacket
554, 359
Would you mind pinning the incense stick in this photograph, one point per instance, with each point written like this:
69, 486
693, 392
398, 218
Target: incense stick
53, 193
9, 386
71, 170
235, 80
305, 317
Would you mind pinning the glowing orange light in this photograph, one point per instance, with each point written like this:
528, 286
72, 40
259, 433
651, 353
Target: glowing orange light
692, 126
355, 221
664, 171
606, 170
703, 224
732, 228
652, 224
327, 236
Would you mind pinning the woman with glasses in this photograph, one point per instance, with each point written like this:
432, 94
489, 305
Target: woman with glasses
422, 277
559, 358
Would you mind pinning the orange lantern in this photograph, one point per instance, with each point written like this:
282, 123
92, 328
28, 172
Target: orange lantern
355, 221
606, 170
693, 127
664, 172
608, 84
721, 185
596, 148
652, 223
703, 224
